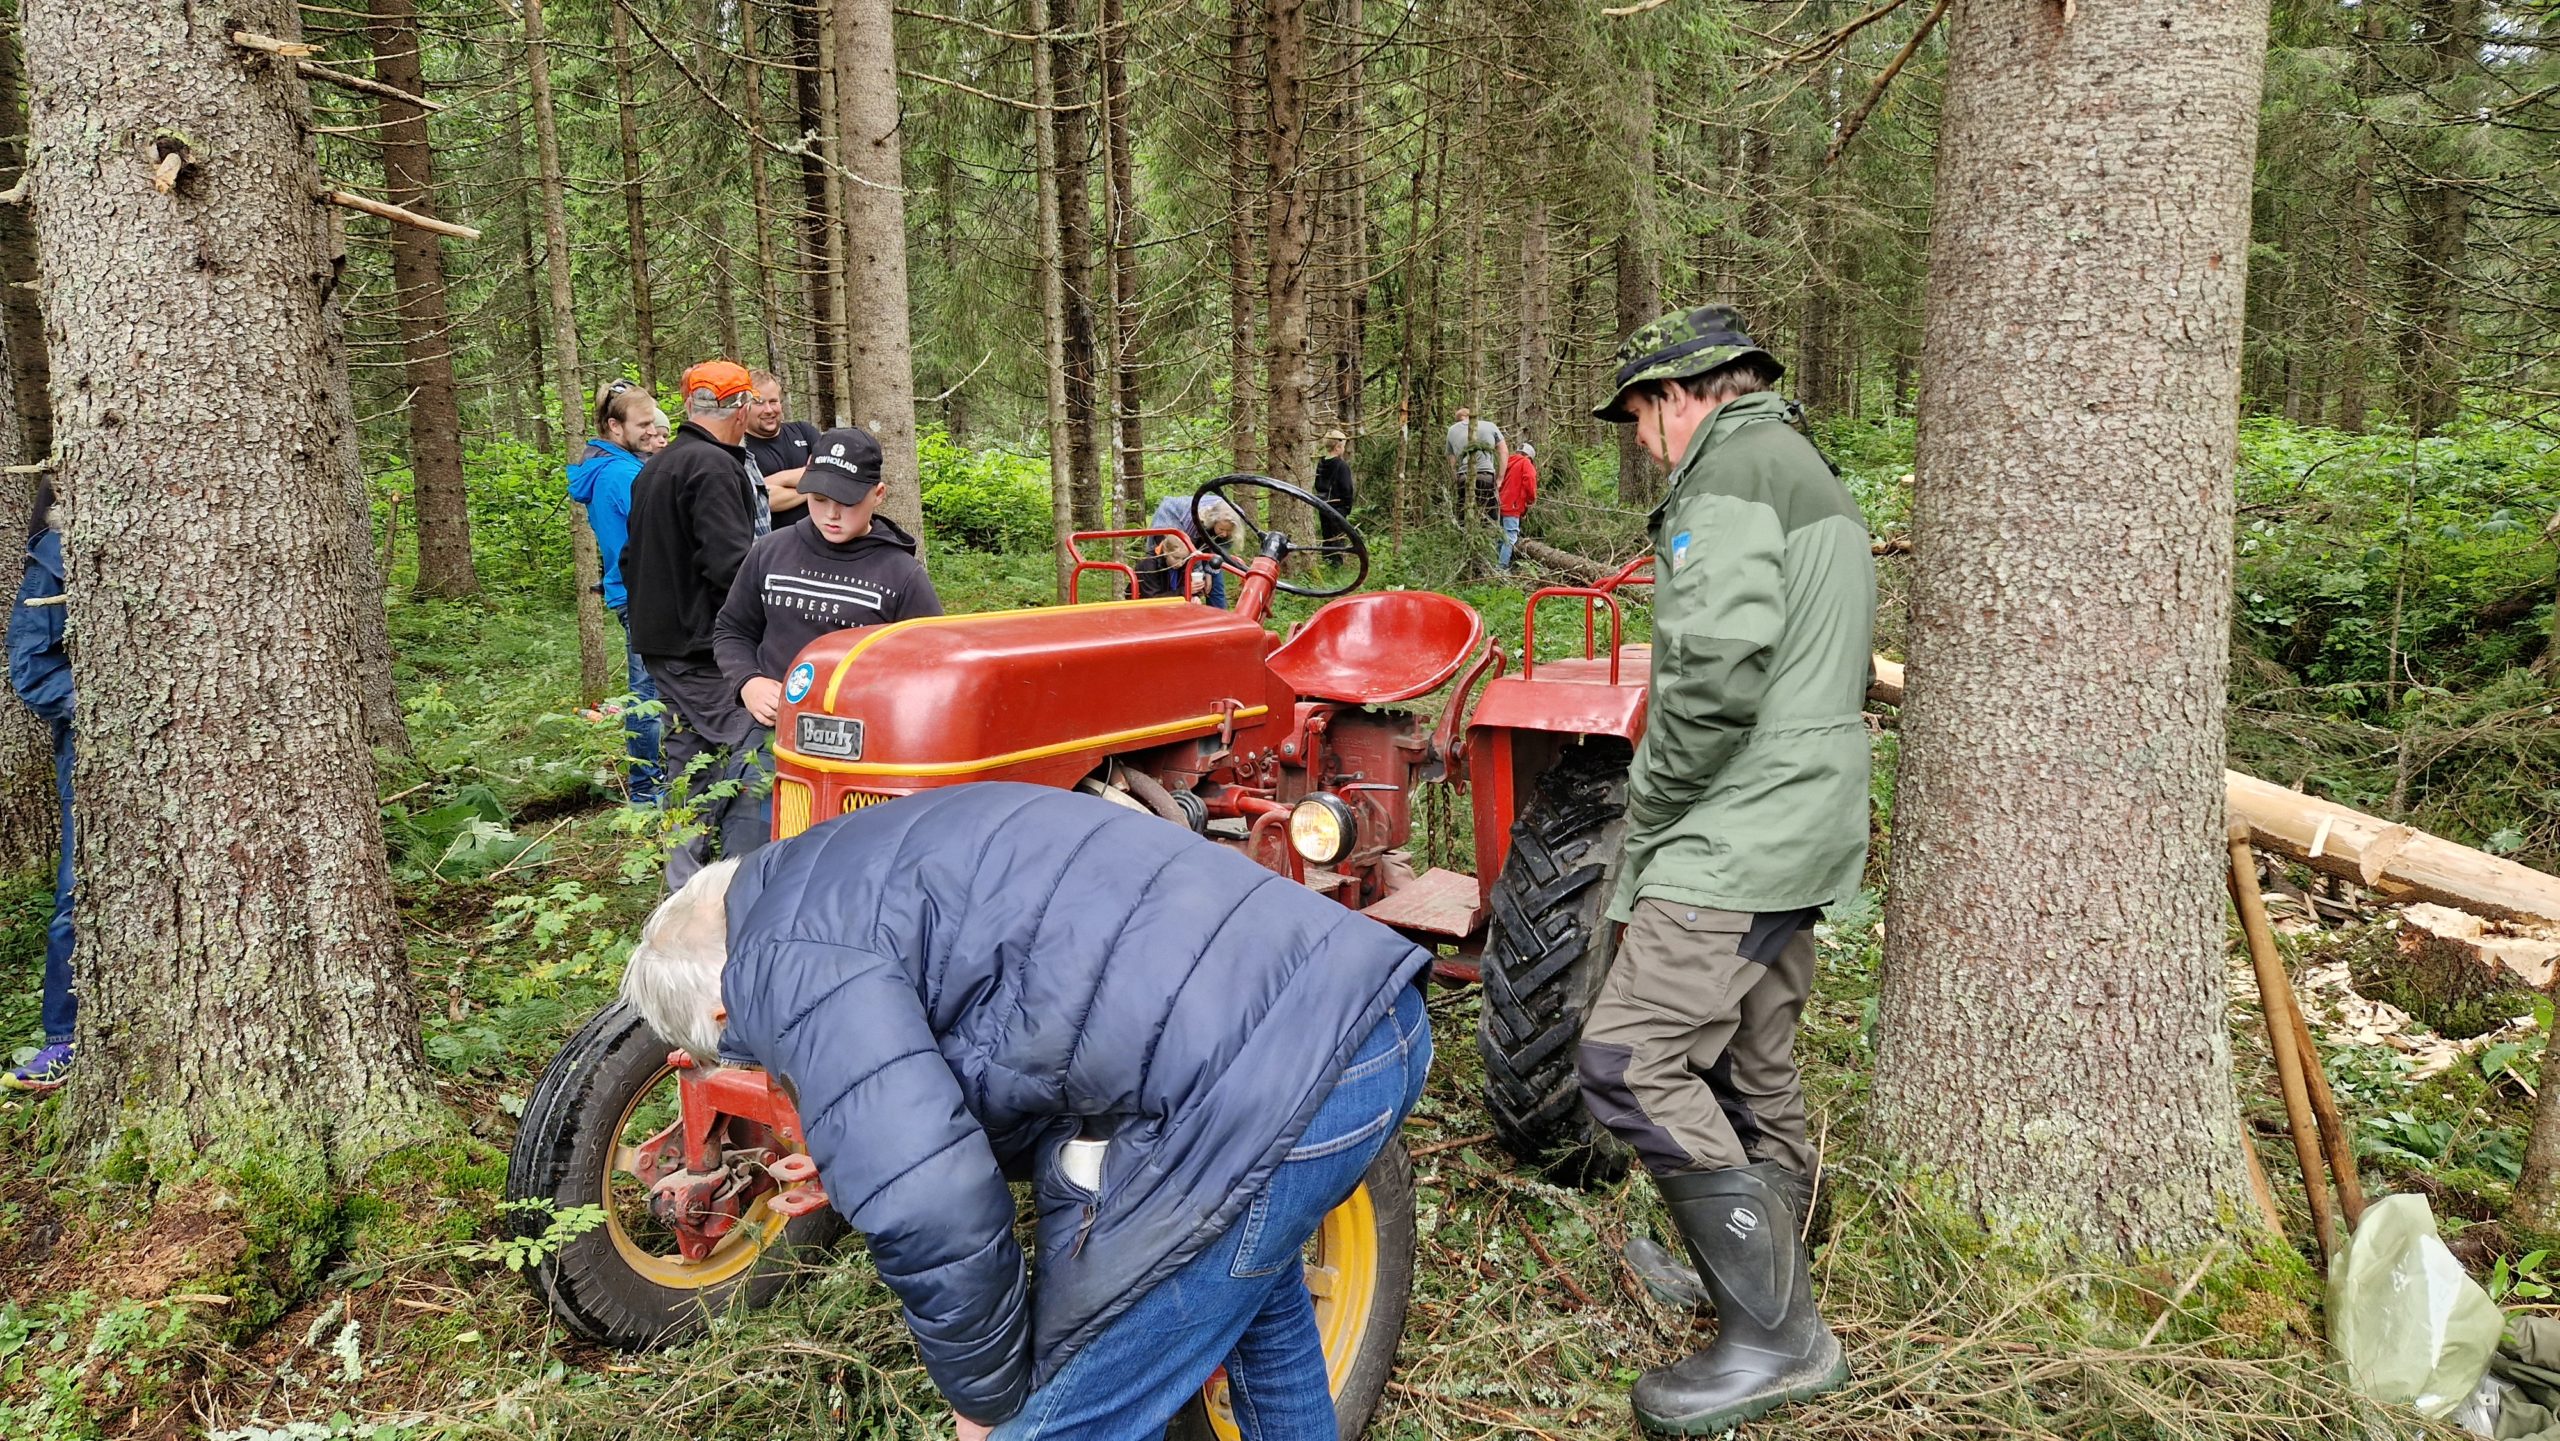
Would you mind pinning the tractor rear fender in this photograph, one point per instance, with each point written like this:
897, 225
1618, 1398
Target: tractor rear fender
1522, 727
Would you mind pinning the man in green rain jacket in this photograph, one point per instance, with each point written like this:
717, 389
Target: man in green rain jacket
1747, 814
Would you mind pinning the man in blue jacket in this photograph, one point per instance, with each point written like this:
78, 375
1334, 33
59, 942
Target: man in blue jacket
958, 985
601, 481
40, 672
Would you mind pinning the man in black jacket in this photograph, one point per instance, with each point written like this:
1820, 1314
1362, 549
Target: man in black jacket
1189, 1058
840, 566
696, 507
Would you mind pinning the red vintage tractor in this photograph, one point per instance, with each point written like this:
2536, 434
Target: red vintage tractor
1303, 750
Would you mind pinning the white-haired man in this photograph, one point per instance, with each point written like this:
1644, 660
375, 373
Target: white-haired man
973, 985
695, 508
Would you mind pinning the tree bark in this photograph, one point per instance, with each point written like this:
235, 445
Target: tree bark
594, 676
438, 500
1053, 295
816, 272
2051, 1033
28, 832
1241, 188
838, 318
1639, 284
880, 351
1129, 461
760, 186
635, 200
1073, 146
529, 273
243, 986
1534, 362
1350, 239
2439, 203
1289, 235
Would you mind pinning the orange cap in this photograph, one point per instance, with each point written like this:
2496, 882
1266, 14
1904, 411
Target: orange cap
723, 378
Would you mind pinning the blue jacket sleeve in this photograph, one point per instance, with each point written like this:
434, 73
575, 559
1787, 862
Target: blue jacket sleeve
39, 664
907, 1164
609, 515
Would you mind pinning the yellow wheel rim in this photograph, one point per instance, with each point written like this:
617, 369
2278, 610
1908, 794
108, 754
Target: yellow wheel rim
645, 1248
1342, 1276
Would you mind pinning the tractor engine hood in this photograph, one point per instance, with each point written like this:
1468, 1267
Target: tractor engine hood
1035, 695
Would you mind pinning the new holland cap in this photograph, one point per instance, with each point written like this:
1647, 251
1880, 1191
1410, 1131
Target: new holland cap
844, 466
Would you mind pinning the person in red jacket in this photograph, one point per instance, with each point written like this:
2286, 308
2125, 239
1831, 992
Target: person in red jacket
1519, 491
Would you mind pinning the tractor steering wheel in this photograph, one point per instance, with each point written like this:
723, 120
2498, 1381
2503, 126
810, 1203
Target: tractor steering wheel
1277, 544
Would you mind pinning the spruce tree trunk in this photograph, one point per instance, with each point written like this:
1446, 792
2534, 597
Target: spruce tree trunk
1533, 365
438, 500
1289, 237
27, 822
1122, 216
635, 200
1240, 215
2051, 1033
1053, 294
529, 276
595, 680
1639, 285
817, 275
1074, 142
243, 986
760, 186
838, 319
881, 353
1350, 240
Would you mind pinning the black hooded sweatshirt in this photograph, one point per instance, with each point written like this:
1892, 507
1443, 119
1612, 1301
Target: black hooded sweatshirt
693, 516
796, 586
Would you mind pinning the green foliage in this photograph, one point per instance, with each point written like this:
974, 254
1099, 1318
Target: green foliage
517, 1251
987, 500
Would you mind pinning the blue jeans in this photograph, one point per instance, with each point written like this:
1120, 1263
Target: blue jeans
1510, 538
641, 733
61, 1007
1243, 1302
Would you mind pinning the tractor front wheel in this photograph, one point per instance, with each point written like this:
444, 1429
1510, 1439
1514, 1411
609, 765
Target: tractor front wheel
623, 1283
1546, 952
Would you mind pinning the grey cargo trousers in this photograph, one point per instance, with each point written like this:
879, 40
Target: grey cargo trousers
1689, 1055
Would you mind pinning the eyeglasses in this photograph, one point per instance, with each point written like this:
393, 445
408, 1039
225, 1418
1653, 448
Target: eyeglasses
620, 386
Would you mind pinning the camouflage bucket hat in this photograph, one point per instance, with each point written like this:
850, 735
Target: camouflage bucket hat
1673, 347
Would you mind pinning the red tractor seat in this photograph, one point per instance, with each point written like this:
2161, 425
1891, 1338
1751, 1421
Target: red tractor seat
1379, 647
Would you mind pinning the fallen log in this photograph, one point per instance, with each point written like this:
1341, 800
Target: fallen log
1564, 562
2402, 863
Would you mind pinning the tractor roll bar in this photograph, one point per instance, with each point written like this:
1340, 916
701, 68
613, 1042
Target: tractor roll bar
1074, 577
1591, 596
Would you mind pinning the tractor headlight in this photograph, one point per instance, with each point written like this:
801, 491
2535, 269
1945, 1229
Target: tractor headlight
1323, 829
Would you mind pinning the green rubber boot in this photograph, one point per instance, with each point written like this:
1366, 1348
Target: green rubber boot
1771, 1346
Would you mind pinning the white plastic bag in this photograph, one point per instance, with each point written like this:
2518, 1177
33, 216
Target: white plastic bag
2414, 1329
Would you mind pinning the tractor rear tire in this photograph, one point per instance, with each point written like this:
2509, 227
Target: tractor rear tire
615, 1284
1546, 952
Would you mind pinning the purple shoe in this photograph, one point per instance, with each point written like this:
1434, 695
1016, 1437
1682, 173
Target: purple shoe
44, 1071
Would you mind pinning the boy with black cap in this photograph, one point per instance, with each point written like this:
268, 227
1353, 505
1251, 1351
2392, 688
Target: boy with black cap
841, 565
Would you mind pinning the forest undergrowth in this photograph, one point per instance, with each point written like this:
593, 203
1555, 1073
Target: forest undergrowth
2399, 669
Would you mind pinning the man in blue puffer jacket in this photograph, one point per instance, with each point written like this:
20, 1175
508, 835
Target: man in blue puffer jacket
957, 985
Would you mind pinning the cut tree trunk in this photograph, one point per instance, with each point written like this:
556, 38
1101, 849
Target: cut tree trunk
438, 500
880, 354
243, 988
2051, 1038
595, 680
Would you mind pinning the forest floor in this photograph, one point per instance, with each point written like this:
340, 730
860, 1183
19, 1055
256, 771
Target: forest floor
521, 883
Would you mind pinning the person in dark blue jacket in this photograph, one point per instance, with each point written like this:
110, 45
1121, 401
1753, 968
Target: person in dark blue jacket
601, 481
1191, 1059
40, 672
